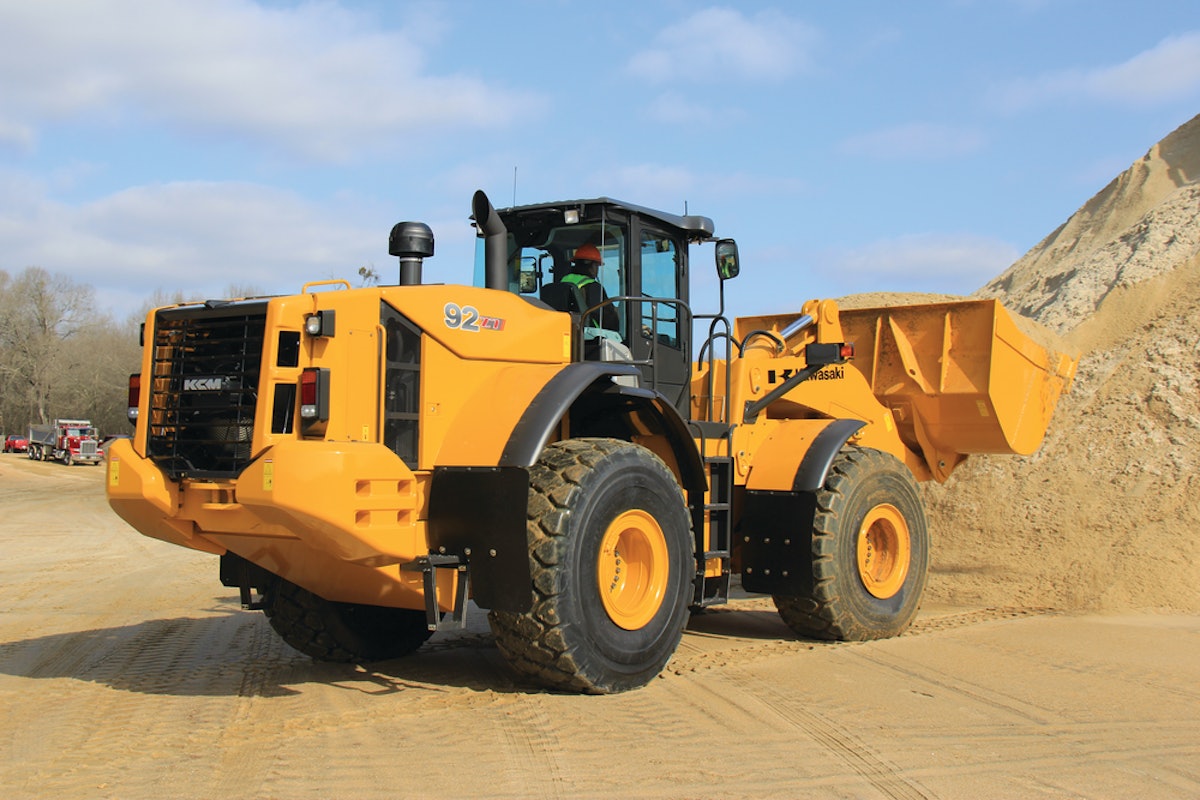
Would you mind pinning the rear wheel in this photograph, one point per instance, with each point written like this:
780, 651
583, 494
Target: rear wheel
870, 552
347, 632
610, 549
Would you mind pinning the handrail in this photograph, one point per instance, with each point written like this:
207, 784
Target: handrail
710, 345
304, 289
685, 318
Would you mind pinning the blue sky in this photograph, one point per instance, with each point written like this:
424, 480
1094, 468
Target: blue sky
199, 145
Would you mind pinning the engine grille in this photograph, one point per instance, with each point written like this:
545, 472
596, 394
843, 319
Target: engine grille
204, 388
402, 385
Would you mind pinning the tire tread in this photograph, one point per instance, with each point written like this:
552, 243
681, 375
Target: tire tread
825, 613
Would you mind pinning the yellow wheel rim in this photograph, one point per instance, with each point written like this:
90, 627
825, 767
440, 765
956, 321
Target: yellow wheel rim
884, 551
633, 569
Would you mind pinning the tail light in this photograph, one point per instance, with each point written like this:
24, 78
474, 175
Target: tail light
821, 355
135, 396
314, 397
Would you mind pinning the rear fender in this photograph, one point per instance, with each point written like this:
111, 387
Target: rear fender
587, 394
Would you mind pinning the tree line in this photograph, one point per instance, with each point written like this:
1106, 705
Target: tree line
61, 355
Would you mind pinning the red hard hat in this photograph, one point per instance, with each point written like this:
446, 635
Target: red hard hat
588, 253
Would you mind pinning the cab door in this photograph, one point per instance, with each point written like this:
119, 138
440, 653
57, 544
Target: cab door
658, 313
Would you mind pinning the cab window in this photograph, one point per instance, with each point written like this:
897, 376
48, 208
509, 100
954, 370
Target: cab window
660, 279
543, 255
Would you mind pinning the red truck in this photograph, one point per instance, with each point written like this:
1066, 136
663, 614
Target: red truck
70, 441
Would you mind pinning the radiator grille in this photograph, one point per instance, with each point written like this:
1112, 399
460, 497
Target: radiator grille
204, 388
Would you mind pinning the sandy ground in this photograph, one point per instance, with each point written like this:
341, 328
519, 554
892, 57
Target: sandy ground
128, 671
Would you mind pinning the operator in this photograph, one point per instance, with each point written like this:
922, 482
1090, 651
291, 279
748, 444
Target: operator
584, 268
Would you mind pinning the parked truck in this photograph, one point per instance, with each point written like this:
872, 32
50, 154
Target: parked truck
71, 441
366, 461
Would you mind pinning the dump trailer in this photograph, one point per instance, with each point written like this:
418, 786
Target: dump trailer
71, 441
364, 462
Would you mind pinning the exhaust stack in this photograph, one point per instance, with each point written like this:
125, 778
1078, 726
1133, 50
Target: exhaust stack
495, 245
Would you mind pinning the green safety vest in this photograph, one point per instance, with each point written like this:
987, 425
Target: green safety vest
581, 280
578, 278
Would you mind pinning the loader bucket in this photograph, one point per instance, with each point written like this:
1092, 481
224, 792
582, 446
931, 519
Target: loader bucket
961, 377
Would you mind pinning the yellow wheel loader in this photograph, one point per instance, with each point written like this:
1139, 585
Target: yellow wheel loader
367, 461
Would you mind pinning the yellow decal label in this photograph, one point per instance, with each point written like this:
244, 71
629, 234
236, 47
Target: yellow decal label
468, 318
983, 411
114, 471
268, 476
830, 373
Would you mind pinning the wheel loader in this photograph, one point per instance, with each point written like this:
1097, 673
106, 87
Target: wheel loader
366, 462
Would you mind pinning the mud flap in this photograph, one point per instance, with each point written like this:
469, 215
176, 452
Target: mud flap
477, 514
238, 573
776, 542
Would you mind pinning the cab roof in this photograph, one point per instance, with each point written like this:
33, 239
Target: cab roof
695, 227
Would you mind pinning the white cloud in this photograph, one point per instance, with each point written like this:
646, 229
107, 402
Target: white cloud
651, 181
958, 263
669, 187
722, 43
1167, 72
315, 79
16, 135
674, 109
195, 237
918, 140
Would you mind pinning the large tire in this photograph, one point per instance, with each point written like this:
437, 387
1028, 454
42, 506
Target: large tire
870, 552
611, 554
344, 632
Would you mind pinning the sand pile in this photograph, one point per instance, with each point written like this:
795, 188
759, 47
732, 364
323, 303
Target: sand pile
1104, 516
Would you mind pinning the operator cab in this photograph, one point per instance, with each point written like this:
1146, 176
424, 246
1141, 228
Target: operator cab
643, 270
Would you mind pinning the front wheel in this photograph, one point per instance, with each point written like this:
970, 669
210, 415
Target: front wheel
870, 552
610, 551
345, 632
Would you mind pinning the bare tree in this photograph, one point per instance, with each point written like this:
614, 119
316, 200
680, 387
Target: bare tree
103, 356
367, 276
39, 313
242, 290
5, 424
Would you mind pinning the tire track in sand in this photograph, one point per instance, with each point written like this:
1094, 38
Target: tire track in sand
854, 754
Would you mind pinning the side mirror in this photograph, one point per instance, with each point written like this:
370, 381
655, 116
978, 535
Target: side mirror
527, 280
728, 265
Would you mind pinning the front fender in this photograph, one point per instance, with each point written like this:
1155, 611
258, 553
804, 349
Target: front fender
797, 455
